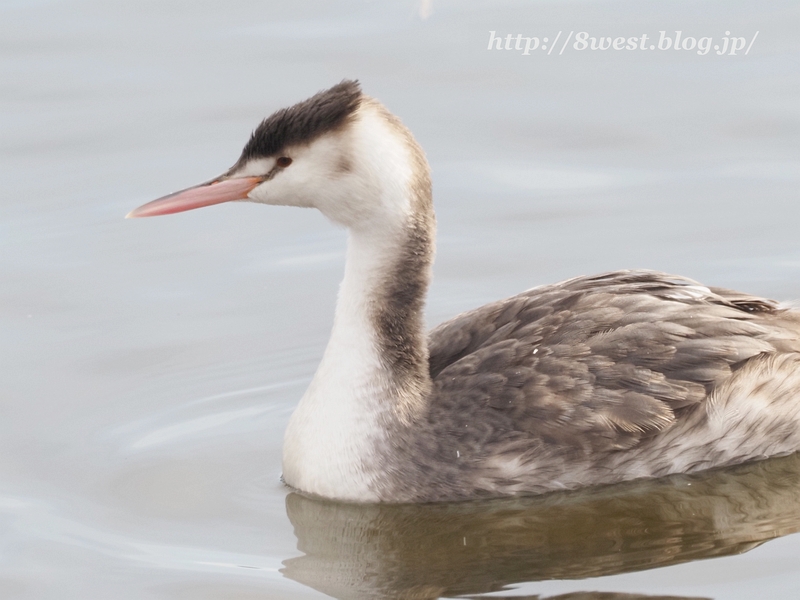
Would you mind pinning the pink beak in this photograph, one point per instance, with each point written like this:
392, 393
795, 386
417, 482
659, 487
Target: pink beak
205, 194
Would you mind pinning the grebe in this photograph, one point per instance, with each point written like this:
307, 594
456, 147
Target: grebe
590, 381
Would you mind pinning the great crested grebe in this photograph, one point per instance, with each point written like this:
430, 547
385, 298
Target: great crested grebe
590, 381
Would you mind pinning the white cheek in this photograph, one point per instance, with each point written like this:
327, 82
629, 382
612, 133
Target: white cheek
289, 187
310, 181
255, 167
265, 193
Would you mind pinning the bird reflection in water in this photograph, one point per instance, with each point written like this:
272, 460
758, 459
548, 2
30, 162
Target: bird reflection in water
472, 548
594, 596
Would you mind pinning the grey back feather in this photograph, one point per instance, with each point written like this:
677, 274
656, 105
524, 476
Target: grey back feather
596, 363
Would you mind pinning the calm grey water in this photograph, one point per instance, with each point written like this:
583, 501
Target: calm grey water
149, 367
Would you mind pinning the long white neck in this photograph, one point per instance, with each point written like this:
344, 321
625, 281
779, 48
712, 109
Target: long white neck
374, 376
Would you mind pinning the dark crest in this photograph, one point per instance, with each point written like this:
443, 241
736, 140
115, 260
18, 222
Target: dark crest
304, 121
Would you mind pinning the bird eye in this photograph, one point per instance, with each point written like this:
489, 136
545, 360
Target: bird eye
283, 161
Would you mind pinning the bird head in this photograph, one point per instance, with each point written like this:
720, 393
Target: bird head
338, 151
